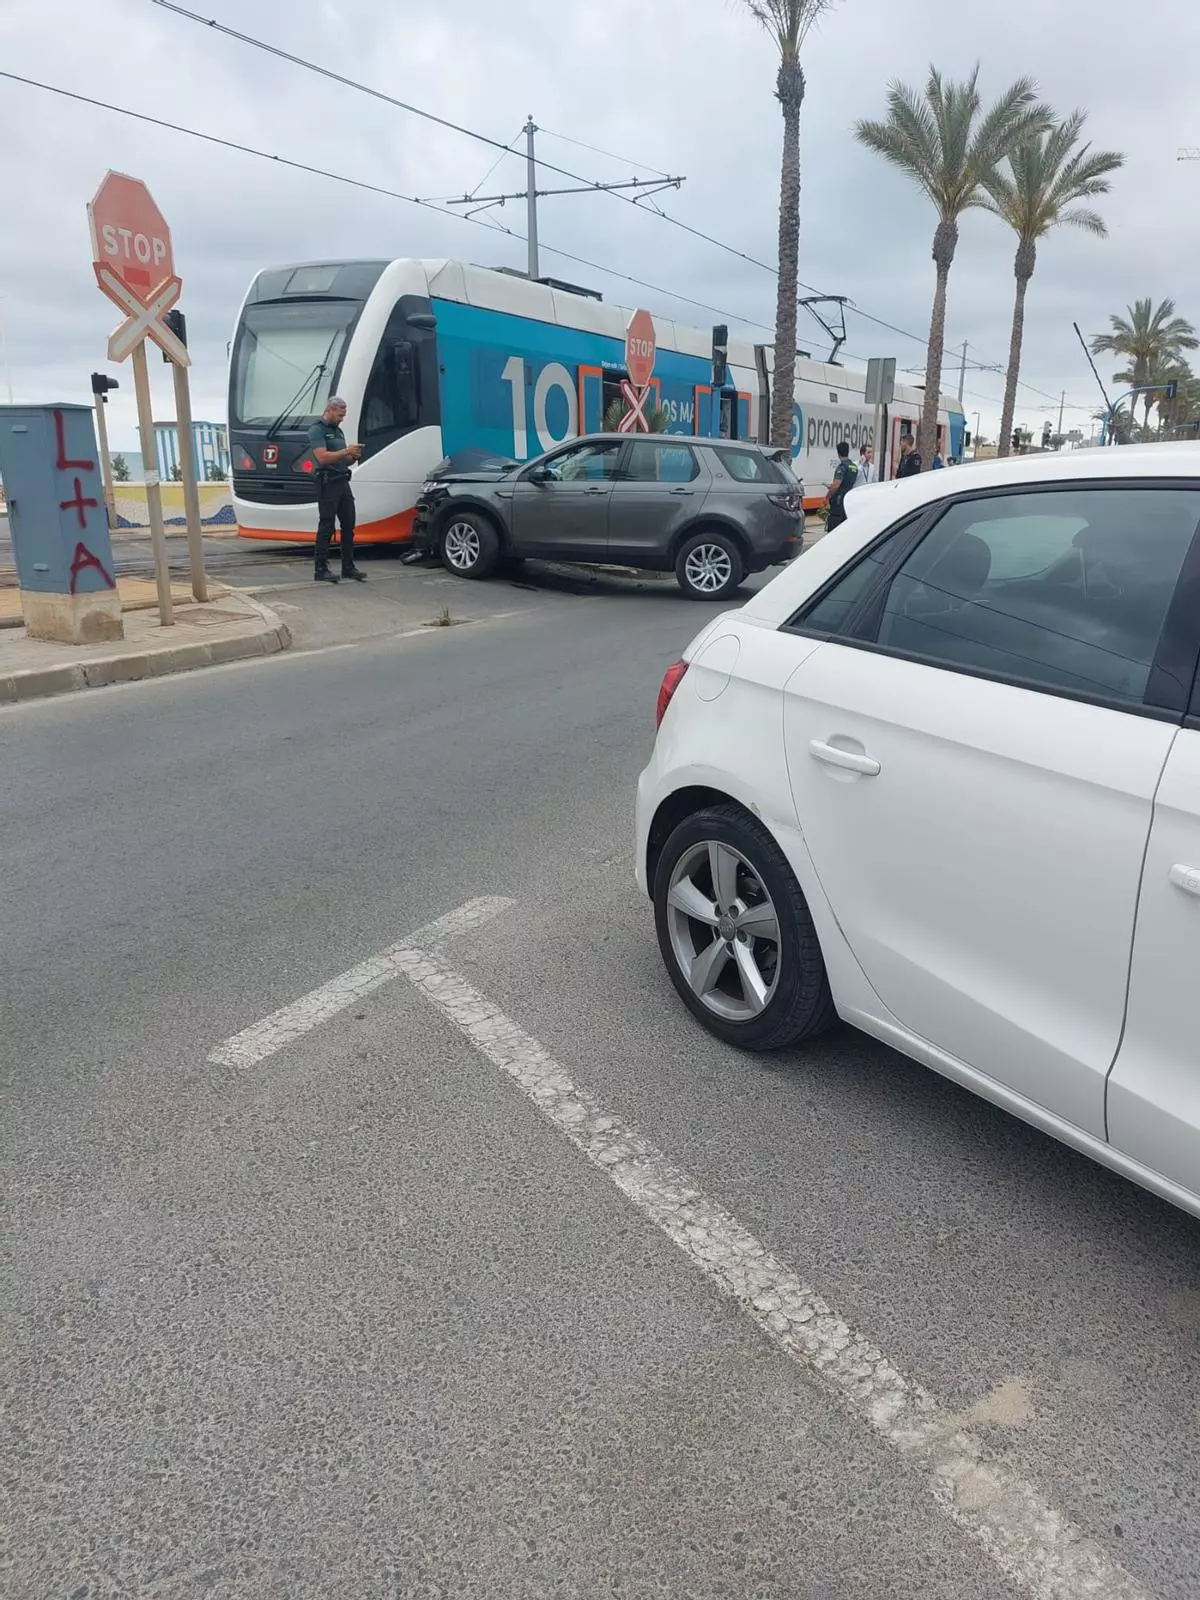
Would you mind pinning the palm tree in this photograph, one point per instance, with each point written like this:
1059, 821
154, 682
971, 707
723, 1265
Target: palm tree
1154, 377
1045, 177
788, 22
948, 145
1150, 338
1181, 411
1118, 425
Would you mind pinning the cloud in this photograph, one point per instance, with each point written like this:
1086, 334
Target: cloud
683, 86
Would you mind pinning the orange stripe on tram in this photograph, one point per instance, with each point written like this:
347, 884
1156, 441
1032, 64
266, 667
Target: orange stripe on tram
396, 529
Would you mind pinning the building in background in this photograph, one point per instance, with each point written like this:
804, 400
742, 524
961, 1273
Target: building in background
210, 444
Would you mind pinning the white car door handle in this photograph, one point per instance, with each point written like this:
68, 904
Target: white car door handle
849, 759
1185, 878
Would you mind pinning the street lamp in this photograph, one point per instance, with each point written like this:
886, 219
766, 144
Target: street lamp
1170, 389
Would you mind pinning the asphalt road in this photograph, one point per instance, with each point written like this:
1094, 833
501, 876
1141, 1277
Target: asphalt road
355, 1317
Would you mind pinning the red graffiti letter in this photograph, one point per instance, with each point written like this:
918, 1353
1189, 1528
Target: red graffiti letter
62, 463
79, 503
84, 559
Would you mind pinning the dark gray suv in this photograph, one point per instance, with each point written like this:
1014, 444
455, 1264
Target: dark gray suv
709, 509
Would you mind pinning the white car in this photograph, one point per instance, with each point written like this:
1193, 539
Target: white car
941, 778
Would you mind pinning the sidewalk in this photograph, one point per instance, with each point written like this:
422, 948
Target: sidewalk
137, 594
230, 627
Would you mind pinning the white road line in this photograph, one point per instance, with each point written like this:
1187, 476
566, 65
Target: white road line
1033, 1544
263, 1039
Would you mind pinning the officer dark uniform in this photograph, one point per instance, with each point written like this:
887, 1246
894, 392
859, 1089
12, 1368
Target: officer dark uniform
844, 478
335, 498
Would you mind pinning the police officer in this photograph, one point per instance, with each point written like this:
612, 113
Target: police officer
335, 499
845, 476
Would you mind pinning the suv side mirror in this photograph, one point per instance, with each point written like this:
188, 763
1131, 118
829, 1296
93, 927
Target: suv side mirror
540, 475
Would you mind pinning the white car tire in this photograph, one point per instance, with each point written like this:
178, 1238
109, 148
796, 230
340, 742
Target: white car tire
736, 935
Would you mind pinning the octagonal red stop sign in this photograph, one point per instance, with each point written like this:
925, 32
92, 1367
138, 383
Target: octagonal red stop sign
640, 348
130, 235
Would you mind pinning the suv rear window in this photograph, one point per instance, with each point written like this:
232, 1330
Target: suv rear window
749, 466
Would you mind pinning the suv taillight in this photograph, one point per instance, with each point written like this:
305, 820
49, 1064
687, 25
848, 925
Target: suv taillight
788, 501
672, 678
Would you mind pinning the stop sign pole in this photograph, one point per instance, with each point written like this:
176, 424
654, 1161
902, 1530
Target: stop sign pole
135, 267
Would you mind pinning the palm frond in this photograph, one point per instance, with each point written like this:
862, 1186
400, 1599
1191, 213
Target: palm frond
788, 22
1015, 118
1089, 221
1035, 190
945, 141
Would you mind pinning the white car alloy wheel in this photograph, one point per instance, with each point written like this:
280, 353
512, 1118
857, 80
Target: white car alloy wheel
724, 930
709, 568
460, 542
736, 934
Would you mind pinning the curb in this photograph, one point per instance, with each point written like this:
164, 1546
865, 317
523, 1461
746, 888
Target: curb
39, 682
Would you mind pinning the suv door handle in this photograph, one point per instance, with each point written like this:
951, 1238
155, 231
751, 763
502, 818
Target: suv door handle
596, 488
1185, 878
683, 491
849, 759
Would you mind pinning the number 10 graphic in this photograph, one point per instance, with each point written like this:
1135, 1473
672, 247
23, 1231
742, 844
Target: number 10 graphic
552, 376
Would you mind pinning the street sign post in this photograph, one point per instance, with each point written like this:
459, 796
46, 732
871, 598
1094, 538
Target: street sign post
135, 267
100, 387
880, 391
176, 323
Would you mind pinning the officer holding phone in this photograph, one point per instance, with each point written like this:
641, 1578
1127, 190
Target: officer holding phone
335, 498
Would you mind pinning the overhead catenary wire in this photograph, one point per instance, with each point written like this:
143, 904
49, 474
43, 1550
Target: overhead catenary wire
509, 149
490, 225
367, 89
582, 144
380, 189
472, 133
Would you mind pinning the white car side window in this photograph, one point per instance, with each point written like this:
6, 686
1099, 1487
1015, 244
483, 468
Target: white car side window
1066, 590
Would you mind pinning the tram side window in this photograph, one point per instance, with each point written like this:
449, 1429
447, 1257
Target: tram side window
392, 401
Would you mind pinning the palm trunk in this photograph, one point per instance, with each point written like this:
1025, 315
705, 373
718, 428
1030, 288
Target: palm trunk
1023, 271
783, 391
944, 241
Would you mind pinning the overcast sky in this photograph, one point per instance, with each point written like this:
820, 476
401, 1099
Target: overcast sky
682, 86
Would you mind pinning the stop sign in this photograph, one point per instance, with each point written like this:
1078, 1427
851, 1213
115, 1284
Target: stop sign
130, 235
640, 348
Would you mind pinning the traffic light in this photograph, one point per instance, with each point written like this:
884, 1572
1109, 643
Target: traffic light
102, 384
1172, 389
1016, 439
967, 440
1047, 434
177, 322
720, 355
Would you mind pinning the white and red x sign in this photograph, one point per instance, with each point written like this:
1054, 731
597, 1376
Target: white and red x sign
144, 317
635, 419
